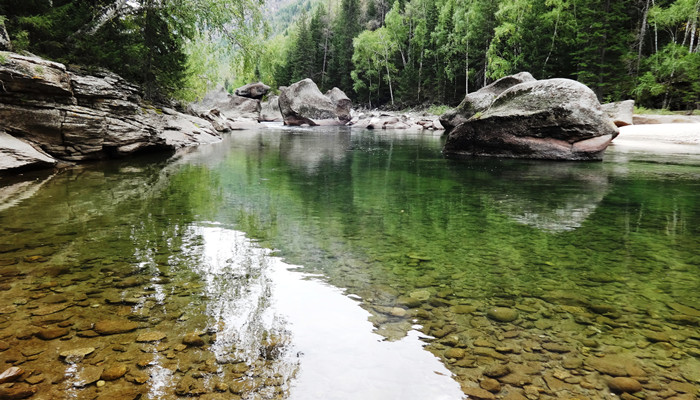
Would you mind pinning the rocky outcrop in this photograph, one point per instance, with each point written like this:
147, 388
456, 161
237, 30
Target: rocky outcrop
403, 121
253, 90
480, 101
556, 119
620, 112
303, 104
74, 117
229, 106
270, 110
16, 154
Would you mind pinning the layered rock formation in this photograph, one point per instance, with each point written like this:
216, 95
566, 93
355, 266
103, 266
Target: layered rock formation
303, 104
63, 115
556, 119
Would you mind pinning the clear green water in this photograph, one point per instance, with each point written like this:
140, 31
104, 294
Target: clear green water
600, 259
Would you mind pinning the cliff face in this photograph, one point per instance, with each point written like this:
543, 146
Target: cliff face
49, 114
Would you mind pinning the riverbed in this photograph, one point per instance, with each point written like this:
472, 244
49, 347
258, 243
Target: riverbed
343, 264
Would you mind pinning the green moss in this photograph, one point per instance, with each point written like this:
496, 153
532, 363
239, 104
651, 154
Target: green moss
438, 109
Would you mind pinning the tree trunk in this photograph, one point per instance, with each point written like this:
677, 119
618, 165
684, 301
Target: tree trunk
5, 43
115, 10
420, 74
642, 33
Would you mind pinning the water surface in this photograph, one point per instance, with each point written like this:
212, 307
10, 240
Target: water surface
301, 263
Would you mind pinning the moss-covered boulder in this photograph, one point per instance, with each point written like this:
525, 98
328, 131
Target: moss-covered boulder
556, 119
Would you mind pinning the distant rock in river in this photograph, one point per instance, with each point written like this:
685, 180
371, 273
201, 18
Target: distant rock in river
303, 104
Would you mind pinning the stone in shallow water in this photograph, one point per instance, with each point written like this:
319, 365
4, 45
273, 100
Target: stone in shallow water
87, 375
189, 386
111, 327
193, 339
624, 385
491, 385
21, 391
496, 370
572, 363
50, 309
51, 333
76, 354
478, 393
11, 374
420, 294
615, 365
455, 353
152, 336
654, 336
502, 314
690, 370
114, 372
683, 309
463, 309
555, 347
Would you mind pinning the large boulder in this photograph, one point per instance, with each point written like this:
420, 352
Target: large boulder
270, 110
343, 104
233, 107
480, 101
303, 104
558, 119
72, 116
621, 112
255, 90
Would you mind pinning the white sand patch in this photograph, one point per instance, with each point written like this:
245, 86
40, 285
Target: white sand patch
659, 138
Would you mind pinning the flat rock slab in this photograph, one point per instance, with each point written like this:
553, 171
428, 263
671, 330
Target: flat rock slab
88, 375
11, 374
111, 327
153, 336
76, 354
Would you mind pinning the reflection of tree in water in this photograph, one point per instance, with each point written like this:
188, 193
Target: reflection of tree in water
121, 238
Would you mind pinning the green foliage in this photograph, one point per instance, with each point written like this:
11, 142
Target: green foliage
438, 109
150, 42
435, 51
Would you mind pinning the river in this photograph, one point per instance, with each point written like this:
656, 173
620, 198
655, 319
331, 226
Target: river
344, 264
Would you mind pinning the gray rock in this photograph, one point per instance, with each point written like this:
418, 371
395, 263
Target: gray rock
556, 119
343, 104
16, 153
230, 106
502, 314
621, 112
624, 385
87, 375
255, 90
270, 110
303, 104
481, 100
74, 117
11, 374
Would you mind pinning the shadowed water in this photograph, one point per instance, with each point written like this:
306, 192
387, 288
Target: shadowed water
553, 272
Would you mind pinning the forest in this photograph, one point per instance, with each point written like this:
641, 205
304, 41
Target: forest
395, 55
415, 52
